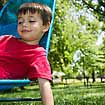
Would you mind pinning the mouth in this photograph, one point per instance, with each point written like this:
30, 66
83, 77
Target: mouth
26, 30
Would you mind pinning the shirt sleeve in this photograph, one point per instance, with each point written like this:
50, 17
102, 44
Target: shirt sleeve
40, 68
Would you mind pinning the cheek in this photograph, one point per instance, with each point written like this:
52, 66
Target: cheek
34, 26
19, 29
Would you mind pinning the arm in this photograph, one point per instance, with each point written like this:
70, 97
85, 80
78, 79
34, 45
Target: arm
46, 92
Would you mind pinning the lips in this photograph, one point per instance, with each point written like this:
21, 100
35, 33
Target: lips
26, 30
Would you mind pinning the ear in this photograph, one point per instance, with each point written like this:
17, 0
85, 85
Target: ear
46, 27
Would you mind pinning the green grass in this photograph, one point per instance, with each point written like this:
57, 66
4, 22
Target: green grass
80, 95
71, 94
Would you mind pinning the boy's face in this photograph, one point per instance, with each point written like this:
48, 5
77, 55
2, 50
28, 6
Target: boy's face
31, 28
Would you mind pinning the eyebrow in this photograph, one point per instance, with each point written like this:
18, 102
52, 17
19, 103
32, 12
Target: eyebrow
29, 17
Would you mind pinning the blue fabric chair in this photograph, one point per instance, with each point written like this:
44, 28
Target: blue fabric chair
8, 26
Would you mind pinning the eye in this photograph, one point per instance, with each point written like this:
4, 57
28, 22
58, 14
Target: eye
20, 22
32, 21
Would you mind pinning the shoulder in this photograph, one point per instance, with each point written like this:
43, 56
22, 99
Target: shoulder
40, 50
6, 37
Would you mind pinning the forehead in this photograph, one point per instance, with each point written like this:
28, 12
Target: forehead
29, 14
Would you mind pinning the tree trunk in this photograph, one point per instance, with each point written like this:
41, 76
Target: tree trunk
93, 76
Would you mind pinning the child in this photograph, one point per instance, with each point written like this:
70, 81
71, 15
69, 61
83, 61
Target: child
24, 57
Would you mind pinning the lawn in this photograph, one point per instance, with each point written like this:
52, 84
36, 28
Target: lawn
70, 94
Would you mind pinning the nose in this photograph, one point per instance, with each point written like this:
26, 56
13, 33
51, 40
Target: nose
25, 23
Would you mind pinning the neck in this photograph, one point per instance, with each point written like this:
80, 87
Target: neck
30, 42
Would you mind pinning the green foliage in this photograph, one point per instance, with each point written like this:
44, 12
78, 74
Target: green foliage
2, 3
73, 32
85, 38
59, 52
96, 6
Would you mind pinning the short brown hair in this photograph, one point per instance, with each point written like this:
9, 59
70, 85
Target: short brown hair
43, 10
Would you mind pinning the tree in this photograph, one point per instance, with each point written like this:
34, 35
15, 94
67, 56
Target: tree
96, 6
72, 32
59, 53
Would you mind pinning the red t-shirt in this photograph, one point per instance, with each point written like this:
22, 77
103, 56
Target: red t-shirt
19, 60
